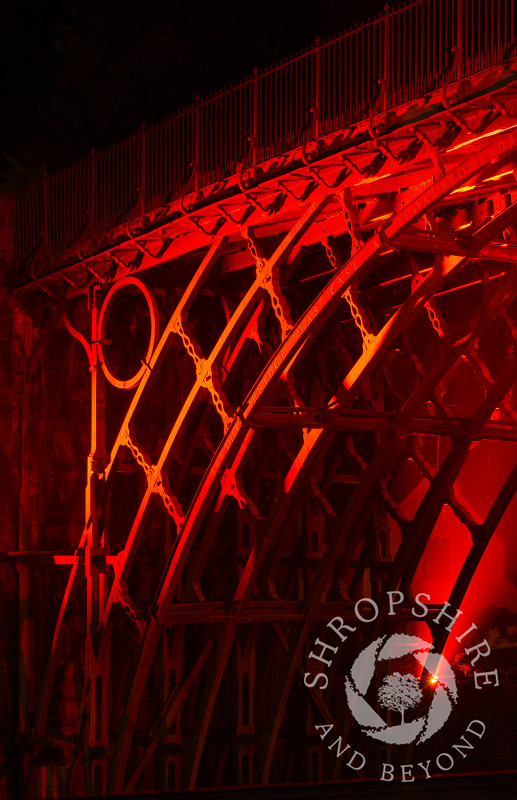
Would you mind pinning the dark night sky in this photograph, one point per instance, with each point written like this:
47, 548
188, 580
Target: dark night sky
79, 75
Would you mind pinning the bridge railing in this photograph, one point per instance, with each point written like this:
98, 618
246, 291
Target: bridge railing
406, 52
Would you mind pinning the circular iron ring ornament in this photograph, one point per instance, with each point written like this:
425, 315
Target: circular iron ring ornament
130, 383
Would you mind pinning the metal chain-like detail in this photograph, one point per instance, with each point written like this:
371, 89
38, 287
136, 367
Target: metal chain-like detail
483, 375
456, 503
394, 508
171, 503
206, 376
189, 342
270, 281
232, 485
318, 494
351, 220
360, 317
439, 391
427, 469
134, 614
139, 455
358, 313
407, 349
353, 451
290, 385
460, 507
436, 318
155, 480
204, 373
332, 254
479, 368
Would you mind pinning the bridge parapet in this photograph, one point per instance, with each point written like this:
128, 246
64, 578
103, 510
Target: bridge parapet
360, 76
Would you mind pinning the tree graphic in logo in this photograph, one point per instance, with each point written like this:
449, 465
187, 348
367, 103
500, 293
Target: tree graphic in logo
399, 692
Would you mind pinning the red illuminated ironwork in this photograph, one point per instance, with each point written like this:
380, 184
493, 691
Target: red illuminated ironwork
268, 360
364, 73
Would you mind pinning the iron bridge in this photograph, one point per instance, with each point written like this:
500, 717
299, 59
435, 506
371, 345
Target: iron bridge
288, 376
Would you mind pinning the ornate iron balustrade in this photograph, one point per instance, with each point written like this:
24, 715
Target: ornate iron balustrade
379, 65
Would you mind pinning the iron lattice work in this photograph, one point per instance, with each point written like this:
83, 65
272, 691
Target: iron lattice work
271, 378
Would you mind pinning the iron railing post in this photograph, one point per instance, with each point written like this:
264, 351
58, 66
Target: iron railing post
197, 141
143, 168
93, 191
387, 9
317, 104
45, 233
255, 121
459, 36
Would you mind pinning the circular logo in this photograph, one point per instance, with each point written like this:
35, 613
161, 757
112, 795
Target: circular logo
400, 692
